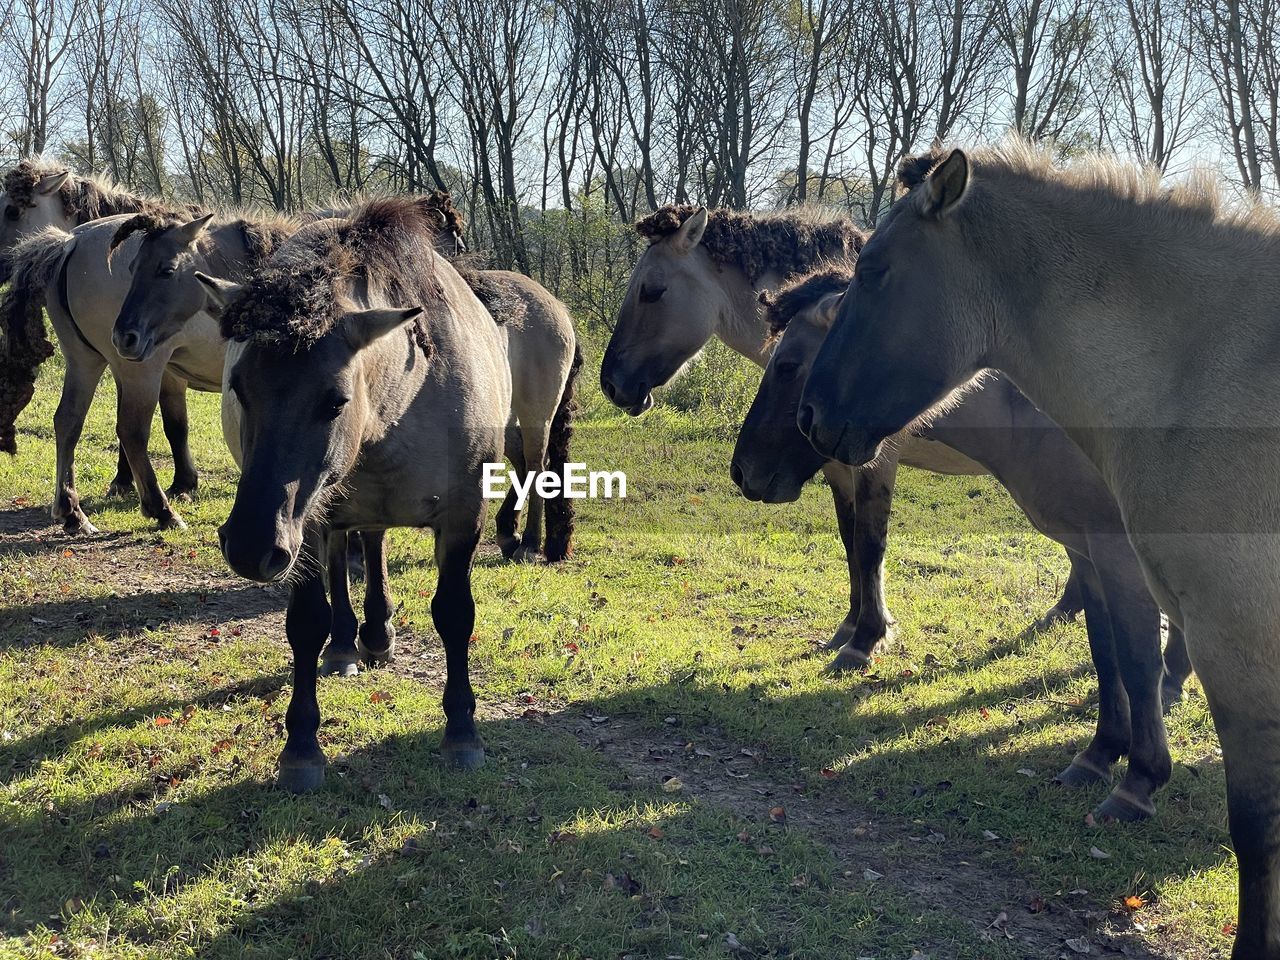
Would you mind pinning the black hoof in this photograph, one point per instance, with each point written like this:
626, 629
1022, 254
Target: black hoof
339, 667
844, 633
300, 777
78, 525
181, 491
171, 521
1081, 774
463, 756
526, 554
1123, 807
1053, 616
1169, 695
508, 545
120, 488
383, 646
847, 660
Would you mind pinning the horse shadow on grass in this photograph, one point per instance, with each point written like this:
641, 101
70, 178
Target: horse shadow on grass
397, 855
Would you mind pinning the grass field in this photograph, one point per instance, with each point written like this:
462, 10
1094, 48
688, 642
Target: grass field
670, 772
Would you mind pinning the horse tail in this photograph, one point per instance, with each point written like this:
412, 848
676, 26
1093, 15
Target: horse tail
559, 543
24, 344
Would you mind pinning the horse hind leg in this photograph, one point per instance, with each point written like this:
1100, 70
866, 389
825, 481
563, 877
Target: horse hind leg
453, 610
80, 381
173, 417
508, 518
1068, 606
535, 458
341, 657
122, 483
378, 632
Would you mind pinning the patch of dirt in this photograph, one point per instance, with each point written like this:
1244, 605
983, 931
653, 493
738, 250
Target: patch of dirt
918, 862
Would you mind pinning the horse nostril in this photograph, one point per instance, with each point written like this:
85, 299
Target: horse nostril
275, 564
804, 419
735, 472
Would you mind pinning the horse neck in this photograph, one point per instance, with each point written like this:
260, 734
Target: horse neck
227, 255
742, 326
393, 370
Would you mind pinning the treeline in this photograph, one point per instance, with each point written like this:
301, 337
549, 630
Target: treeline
555, 121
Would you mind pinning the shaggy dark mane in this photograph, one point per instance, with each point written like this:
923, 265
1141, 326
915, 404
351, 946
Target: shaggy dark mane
801, 293
441, 201
787, 243
912, 171
83, 198
296, 298
150, 225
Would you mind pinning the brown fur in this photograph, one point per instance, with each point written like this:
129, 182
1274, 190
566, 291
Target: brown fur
83, 198
787, 243
801, 293
559, 510
298, 297
151, 225
25, 344
441, 201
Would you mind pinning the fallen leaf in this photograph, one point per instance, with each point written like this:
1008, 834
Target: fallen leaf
778, 814
871, 876
163, 721
379, 696
984, 713
828, 773
384, 801
1079, 945
623, 882
1229, 928
1099, 854
731, 942
1027, 773
1134, 902
656, 833
220, 746
989, 835
672, 785
560, 836
1037, 905
744, 837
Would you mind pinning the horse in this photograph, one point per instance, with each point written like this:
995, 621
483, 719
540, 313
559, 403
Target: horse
368, 387
164, 300
1060, 492
40, 194
1142, 319
699, 278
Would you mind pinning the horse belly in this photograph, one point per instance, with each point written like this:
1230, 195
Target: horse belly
938, 458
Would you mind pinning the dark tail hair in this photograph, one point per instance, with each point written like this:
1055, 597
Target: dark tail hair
559, 543
24, 344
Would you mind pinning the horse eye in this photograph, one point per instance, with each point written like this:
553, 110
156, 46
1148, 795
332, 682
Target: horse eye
870, 276
787, 369
648, 295
333, 407
11, 212
166, 270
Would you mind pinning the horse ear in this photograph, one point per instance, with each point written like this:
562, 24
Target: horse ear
52, 182
218, 293
363, 327
691, 231
828, 307
947, 185
188, 233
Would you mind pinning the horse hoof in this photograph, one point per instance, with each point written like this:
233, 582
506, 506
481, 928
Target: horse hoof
508, 545
1052, 618
847, 660
1169, 696
300, 778
339, 667
463, 756
1123, 807
78, 525
1080, 774
387, 652
119, 488
171, 522
525, 554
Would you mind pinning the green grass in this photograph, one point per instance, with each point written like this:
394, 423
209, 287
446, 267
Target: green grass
141, 713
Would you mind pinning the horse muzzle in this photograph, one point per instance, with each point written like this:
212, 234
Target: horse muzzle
132, 345
263, 562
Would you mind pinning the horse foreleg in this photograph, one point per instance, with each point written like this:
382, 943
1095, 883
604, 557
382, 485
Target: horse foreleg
307, 624
173, 417
1069, 604
1111, 737
139, 393
1236, 662
454, 612
1177, 668
83, 371
340, 656
122, 484
1135, 631
377, 633
873, 503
